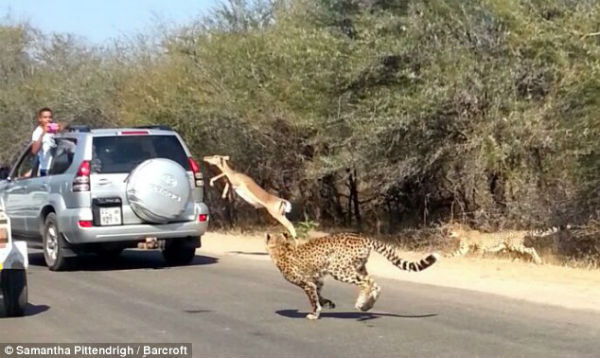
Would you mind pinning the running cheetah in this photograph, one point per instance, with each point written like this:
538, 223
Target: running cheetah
342, 256
513, 241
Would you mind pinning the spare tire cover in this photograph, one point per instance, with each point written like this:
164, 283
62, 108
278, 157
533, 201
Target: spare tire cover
158, 190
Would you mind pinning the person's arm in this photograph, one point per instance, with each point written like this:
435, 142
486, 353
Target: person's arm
37, 142
35, 147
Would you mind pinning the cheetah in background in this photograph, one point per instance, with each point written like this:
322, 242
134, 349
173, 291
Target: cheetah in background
343, 256
512, 241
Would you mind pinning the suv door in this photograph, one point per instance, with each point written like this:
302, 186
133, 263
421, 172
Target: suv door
37, 193
39, 188
15, 194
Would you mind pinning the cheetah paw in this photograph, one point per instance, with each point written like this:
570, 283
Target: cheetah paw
366, 302
312, 316
328, 304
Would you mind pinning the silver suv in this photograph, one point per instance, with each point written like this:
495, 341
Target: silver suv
107, 190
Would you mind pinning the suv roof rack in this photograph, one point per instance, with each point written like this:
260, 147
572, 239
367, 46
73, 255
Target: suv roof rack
78, 128
163, 127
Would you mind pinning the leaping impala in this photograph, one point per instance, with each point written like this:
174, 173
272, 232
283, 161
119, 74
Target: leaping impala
247, 188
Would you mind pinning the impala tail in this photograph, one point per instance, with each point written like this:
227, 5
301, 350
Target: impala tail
286, 206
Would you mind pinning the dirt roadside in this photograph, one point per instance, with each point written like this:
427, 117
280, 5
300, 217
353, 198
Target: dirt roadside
547, 284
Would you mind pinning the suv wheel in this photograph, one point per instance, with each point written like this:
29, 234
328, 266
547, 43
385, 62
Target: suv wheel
54, 245
180, 251
14, 291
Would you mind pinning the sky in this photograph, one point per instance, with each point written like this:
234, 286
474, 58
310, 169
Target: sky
98, 21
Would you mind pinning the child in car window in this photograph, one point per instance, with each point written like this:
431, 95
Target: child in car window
43, 139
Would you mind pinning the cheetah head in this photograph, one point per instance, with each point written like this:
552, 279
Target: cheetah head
453, 230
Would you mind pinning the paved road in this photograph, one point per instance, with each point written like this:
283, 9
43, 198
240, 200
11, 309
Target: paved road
233, 306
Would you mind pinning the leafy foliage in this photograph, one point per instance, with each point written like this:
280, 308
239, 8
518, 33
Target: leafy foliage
374, 113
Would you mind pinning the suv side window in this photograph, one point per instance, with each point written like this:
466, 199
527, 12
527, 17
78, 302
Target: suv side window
28, 166
62, 155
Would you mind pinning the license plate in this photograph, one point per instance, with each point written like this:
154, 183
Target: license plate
110, 216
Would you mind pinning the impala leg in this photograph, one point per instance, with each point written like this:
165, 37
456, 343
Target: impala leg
212, 180
283, 221
224, 195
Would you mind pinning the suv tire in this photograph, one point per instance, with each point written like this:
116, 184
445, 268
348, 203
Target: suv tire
180, 251
14, 291
54, 245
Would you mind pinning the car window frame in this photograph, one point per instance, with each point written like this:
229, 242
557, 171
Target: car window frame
20, 162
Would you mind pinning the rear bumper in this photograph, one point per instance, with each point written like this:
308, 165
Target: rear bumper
68, 225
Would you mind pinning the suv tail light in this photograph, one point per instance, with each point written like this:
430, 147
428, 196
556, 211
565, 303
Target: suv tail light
85, 223
82, 178
197, 173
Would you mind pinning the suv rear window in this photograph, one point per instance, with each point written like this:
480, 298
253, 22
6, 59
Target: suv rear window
123, 153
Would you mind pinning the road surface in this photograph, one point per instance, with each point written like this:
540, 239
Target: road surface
232, 306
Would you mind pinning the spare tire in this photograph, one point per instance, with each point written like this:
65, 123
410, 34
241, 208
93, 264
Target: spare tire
158, 190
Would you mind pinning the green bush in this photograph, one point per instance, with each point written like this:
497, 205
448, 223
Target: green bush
396, 112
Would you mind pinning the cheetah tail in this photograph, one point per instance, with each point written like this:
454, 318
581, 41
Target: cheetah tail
390, 253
